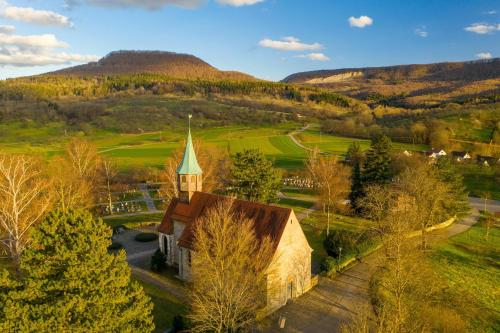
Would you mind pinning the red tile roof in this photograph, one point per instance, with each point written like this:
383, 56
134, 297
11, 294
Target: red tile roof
268, 220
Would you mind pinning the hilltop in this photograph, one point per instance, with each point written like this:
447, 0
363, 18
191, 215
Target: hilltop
176, 65
410, 85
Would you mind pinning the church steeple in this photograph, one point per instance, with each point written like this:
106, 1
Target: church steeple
189, 173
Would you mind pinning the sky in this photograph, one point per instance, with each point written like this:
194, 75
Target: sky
269, 39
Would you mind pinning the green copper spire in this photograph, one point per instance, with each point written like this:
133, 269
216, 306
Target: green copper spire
189, 164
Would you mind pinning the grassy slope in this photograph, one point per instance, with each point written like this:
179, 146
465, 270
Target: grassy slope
471, 265
166, 306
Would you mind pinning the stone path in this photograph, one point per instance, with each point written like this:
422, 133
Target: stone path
334, 301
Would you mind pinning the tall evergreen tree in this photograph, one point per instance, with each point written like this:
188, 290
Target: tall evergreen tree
377, 164
71, 283
354, 158
458, 202
253, 177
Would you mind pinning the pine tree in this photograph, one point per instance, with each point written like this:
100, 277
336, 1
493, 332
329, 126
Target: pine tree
458, 201
71, 283
354, 159
253, 176
377, 164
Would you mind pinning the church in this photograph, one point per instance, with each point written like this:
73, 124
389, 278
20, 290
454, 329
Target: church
291, 266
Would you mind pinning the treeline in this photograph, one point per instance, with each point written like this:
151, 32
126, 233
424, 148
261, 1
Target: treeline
53, 87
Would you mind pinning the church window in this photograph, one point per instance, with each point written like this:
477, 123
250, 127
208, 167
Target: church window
193, 178
189, 257
183, 179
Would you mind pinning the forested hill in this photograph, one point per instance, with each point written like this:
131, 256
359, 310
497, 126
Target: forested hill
445, 71
176, 65
412, 86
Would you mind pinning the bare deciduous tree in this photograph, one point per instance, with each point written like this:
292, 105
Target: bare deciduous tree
69, 191
108, 173
331, 178
229, 269
24, 199
83, 158
429, 193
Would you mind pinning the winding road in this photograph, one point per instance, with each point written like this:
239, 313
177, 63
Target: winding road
334, 301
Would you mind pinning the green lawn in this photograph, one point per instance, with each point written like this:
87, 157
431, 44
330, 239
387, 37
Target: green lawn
166, 306
338, 145
480, 179
132, 221
471, 266
315, 224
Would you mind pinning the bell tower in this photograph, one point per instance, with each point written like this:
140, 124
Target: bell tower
189, 173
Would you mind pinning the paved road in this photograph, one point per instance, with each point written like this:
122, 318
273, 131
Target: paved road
334, 301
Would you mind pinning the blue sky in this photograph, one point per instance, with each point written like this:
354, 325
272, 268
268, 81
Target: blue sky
269, 39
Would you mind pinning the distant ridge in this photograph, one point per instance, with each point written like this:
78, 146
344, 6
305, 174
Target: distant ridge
444, 71
173, 64
411, 86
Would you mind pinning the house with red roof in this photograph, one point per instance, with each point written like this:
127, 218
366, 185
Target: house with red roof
291, 265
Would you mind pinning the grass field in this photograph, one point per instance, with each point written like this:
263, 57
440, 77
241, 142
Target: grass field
166, 306
480, 180
338, 145
470, 264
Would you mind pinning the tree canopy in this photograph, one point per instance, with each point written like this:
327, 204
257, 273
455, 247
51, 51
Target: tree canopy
254, 177
71, 283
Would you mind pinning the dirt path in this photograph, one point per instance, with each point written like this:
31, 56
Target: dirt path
297, 142
335, 301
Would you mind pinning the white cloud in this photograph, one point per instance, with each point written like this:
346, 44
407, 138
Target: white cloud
314, 56
422, 32
32, 41
147, 4
289, 44
238, 3
36, 50
484, 55
360, 22
33, 16
26, 58
482, 28
7, 29
491, 12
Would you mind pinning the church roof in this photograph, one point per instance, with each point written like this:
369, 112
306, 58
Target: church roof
268, 221
189, 164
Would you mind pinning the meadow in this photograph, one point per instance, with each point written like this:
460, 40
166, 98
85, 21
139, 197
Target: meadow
469, 263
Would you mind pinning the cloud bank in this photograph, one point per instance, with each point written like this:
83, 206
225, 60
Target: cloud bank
33, 16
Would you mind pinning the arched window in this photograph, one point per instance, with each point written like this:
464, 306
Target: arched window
193, 178
183, 179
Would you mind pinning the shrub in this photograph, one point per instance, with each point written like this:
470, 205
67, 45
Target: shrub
339, 239
158, 261
146, 237
329, 266
115, 246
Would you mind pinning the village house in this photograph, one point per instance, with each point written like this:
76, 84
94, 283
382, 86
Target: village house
435, 153
460, 156
291, 265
